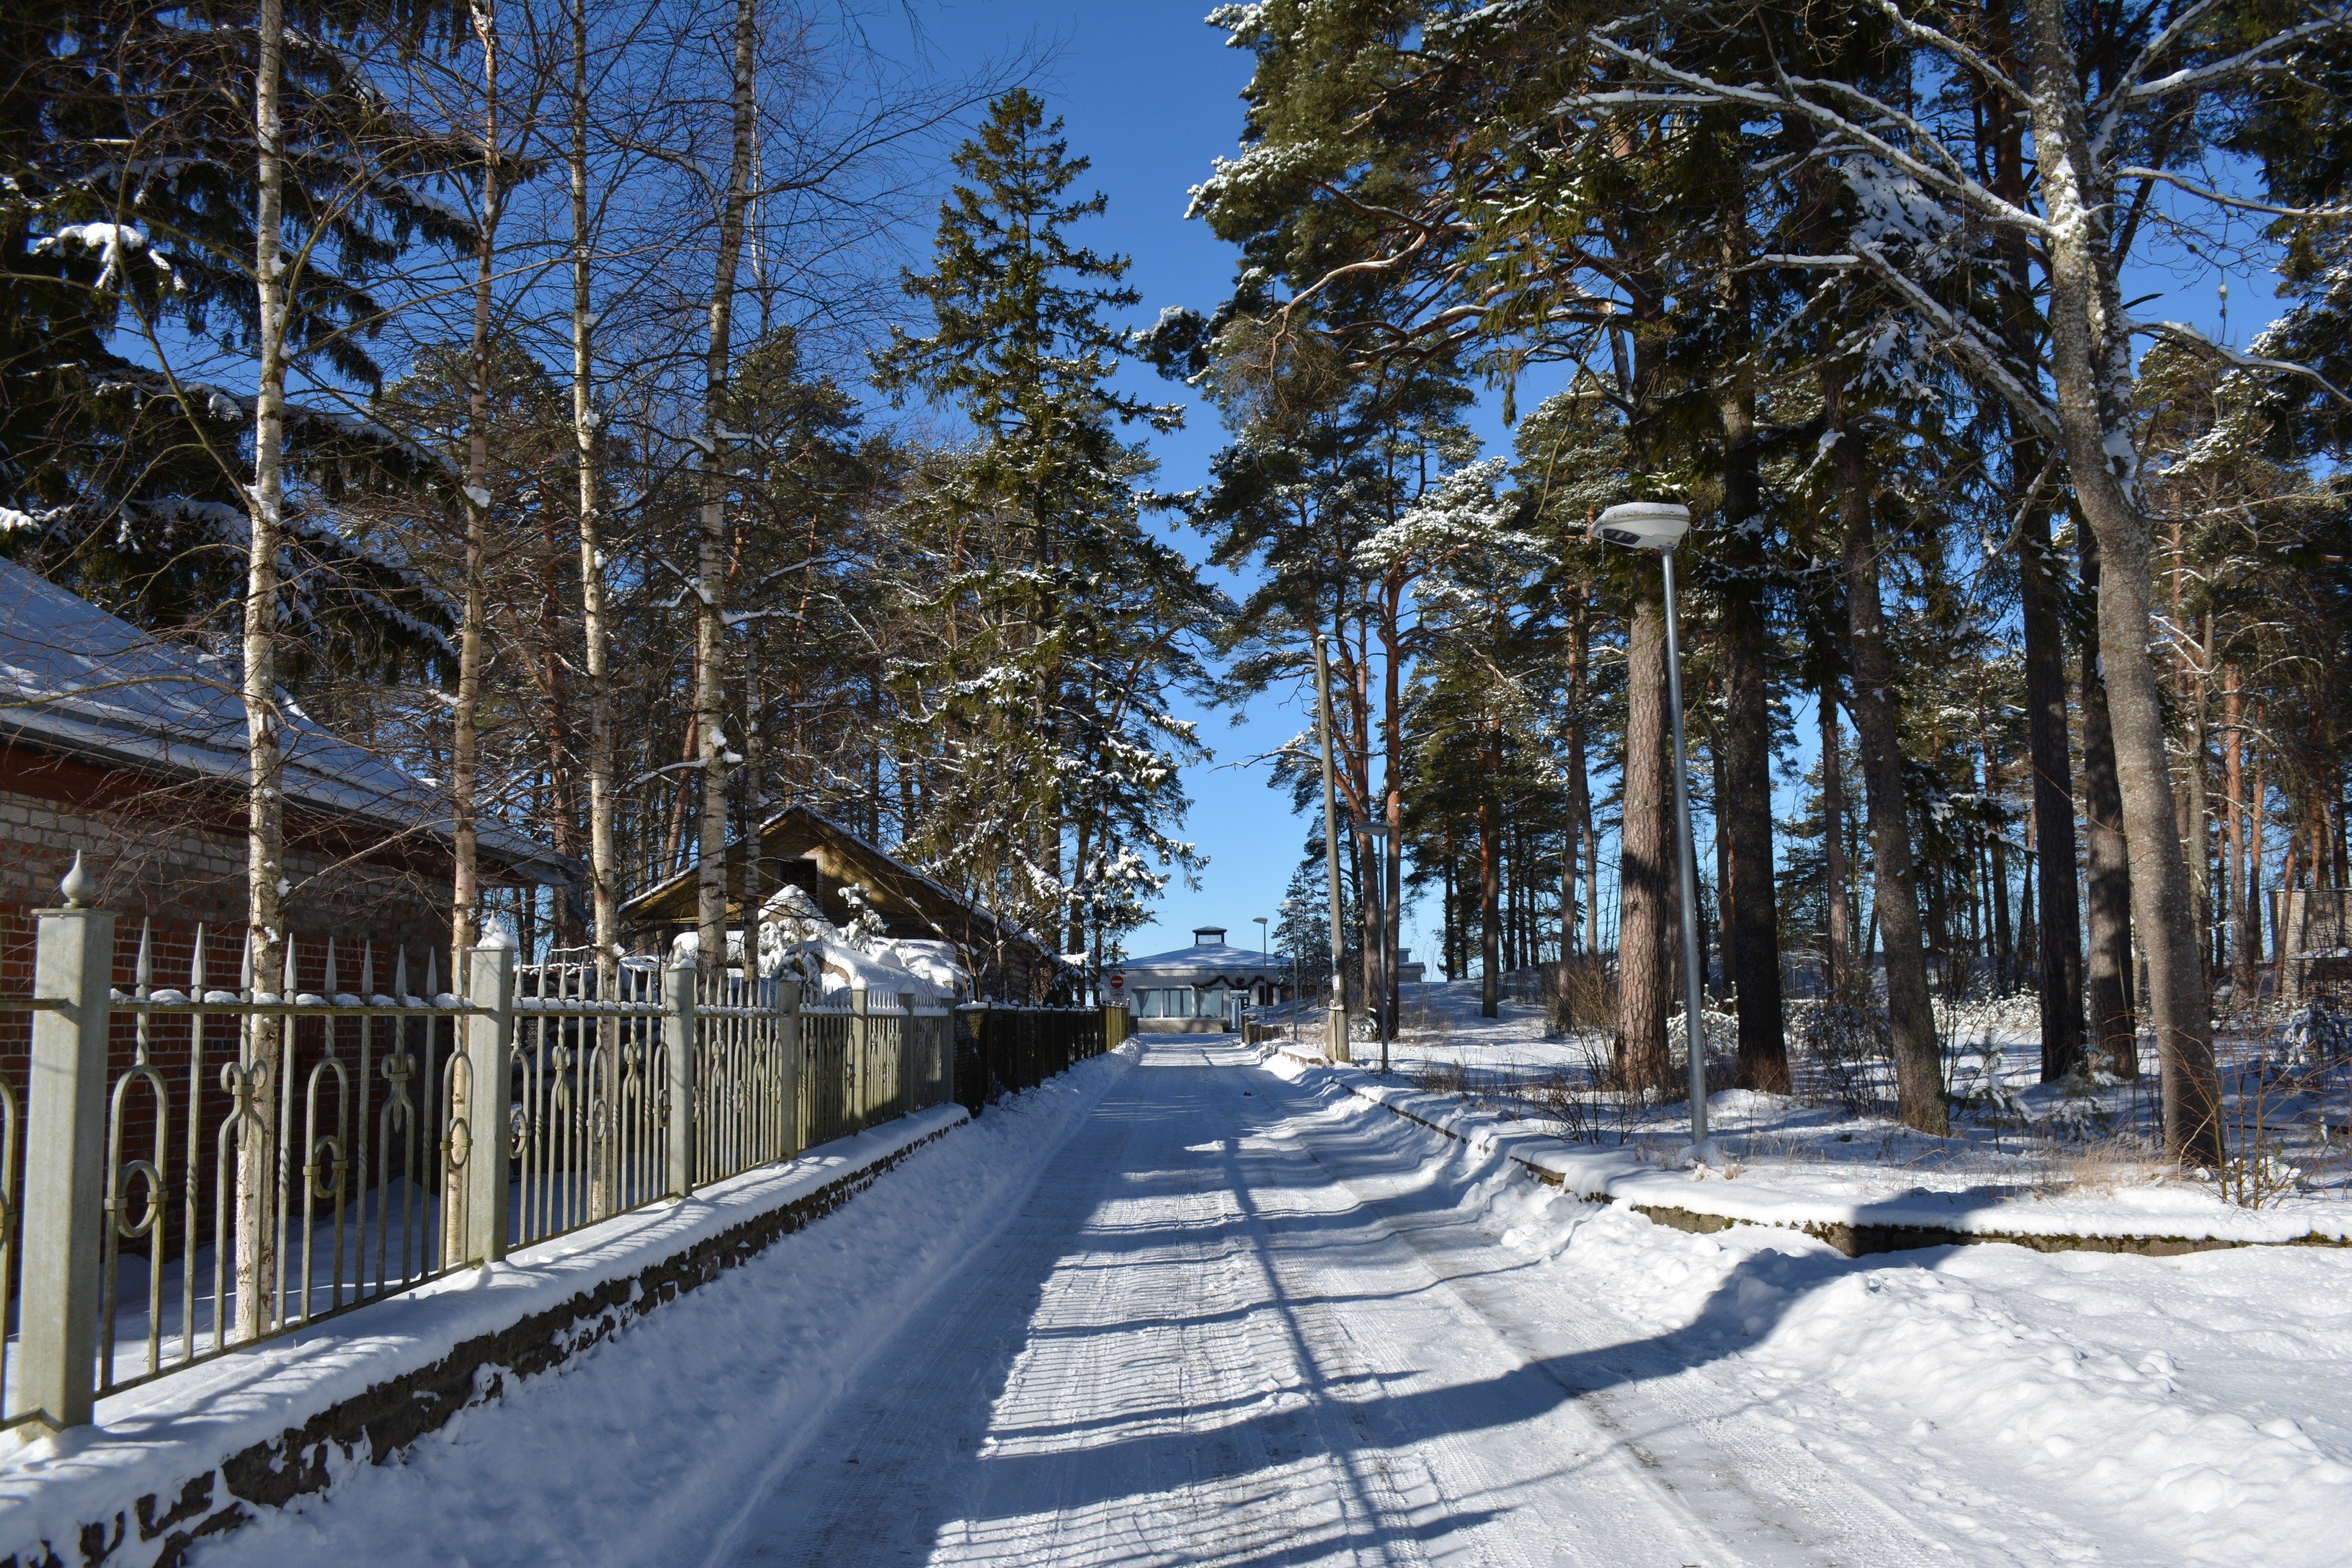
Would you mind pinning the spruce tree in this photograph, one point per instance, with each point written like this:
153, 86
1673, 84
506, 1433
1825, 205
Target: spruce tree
1039, 710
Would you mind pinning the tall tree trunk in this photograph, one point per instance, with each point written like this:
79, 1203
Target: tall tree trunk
1895, 899
1744, 799
1839, 959
265, 843
1725, 891
562, 804
2233, 791
1645, 867
1490, 887
2249, 931
1996, 886
1391, 846
465, 743
1580, 777
710, 570
2092, 373
2115, 1030
2058, 924
2195, 809
465, 746
604, 869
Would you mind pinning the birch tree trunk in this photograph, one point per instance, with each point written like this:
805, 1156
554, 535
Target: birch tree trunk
265, 758
595, 632
711, 569
2091, 372
465, 744
1895, 898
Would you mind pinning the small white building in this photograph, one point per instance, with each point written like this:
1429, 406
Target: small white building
1201, 989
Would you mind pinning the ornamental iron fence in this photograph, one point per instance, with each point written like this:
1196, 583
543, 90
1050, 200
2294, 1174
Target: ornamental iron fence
265, 1160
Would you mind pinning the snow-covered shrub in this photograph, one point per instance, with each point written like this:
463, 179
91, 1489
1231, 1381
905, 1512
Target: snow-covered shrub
2315, 1034
1843, 1039
2259, 1178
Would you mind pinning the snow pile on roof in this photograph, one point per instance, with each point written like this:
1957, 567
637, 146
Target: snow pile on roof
934, 961
797, 940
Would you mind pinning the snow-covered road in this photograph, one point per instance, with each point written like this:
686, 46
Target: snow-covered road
1203, 1311
1222, 1330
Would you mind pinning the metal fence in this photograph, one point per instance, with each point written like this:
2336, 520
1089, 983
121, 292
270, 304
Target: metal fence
267, 1159
1002, 1049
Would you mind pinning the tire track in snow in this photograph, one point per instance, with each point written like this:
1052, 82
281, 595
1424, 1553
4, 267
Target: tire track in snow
1192, 1345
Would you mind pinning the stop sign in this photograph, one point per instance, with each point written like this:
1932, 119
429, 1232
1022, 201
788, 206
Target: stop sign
1118, 982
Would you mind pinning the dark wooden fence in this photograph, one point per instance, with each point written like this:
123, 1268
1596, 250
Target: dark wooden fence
1002, 1049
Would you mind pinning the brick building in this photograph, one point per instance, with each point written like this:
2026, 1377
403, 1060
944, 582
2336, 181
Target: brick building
131, 750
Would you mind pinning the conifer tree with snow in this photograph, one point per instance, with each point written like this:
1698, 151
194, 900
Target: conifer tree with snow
1038, 723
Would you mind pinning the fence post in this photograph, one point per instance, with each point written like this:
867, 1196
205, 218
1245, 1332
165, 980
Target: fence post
860, 1053
490, 1043
677, 1042
65, 1159
788, 1033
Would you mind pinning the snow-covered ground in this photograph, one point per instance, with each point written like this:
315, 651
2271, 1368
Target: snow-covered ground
1210, 1311
2015, 1136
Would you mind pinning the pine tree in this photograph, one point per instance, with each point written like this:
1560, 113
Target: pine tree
1040, 709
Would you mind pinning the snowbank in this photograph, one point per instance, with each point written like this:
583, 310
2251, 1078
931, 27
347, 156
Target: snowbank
1625, 1175
196, 1434
639, 1448
2076, 1406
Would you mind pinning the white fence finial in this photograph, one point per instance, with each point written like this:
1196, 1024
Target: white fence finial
78, 885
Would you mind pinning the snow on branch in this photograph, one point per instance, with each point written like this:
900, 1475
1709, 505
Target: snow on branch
2133, 172
1790, 95
2181, 331
1963, 340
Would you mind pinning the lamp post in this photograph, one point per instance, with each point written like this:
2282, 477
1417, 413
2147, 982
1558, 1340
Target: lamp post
1264, 960
1334, 1023
1659, 526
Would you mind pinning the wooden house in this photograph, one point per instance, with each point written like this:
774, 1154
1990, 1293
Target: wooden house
847, 876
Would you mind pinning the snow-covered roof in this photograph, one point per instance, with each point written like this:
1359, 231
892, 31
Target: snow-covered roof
1202, 963
76, 681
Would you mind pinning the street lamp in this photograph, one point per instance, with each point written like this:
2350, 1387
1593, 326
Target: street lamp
1385, 1010
1262, 949
1659, 526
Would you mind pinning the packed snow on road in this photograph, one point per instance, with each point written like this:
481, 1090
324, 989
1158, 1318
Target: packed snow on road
1194, 1303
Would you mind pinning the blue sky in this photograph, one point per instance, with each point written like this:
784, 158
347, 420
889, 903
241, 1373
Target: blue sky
1150, 94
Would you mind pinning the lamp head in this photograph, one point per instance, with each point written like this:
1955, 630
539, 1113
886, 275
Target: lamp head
1644, 524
